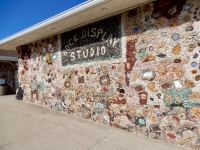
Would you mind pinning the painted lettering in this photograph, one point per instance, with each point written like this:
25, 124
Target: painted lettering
92, 52
85, 55
75, 38
93, 32
71, 43
78, 52
72, 55
83, 34
100, 31
103, 50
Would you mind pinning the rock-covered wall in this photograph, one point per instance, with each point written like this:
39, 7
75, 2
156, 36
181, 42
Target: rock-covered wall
138, 71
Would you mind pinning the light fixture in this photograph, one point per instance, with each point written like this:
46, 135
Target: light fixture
53, 28
104, 9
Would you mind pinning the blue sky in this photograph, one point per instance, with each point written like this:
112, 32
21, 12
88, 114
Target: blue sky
16, 15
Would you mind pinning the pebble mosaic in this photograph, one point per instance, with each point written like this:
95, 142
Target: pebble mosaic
151, 88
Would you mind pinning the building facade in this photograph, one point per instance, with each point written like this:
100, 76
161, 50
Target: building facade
138, 71
8, 70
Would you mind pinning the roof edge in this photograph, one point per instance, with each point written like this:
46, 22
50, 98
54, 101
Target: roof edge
74, 10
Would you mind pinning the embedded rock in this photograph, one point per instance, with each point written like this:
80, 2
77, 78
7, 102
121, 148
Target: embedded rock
176, 50
189, 83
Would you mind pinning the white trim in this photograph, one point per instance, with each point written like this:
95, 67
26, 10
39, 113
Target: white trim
77, 9
8, 58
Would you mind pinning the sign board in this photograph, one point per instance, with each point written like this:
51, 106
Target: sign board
94, 42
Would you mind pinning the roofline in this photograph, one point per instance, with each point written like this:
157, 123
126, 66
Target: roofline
74, 10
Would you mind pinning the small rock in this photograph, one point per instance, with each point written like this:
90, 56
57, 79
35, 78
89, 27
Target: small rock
189, 83
194, 71
176, 50
189, 28
175, 36
191, 47
151, 99
122, 91
166, 85
193, 64
152, 86
195, 55
163, 34
162, 70
138, 88
194, 95
177, 84
146, 18
197, 78
187, 6
177, 98
171, 136
161, 55
177, 61
143, 50
148, 58
148, 75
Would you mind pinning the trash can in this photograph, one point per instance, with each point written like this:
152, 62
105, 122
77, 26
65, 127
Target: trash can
19, 93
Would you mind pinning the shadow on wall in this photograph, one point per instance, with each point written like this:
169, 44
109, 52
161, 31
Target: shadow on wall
154, 92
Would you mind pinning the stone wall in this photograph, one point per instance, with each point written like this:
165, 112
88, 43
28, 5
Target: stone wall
138, 71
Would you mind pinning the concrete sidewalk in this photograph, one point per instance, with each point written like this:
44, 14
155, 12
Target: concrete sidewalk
26, 126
